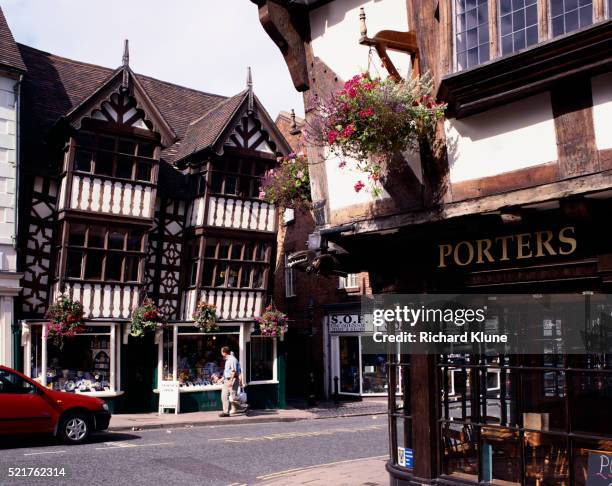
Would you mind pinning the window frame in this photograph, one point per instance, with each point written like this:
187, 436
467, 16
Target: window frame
244, 177
289, 278
350, 282
274, 362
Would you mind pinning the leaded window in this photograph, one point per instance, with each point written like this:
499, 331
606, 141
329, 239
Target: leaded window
569, 15
518, 24
471, 33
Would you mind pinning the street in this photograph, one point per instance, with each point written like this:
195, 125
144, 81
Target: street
223, 455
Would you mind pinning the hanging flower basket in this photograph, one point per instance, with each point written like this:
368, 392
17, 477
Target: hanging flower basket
146, 318
372, 120
288, 184
272, 323
65, 320
205, 317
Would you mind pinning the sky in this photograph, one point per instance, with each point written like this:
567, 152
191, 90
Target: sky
202, 44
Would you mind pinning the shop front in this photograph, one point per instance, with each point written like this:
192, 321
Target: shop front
512, 419
359, 374
106, 362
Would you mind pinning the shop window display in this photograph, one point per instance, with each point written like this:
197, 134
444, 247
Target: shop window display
262, 358
83, 365
199, 361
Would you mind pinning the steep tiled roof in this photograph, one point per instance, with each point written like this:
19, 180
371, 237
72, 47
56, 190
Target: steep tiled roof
54, 85
206, 130
9, 54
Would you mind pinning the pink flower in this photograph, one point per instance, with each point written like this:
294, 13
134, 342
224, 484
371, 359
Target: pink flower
366, 113
342, 164
332, 136
262, 194
359, 186
352, 93
348, 130
300, 174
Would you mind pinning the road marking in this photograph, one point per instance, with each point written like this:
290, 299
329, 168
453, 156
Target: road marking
47, 452
297, 435
238, 484
289, 472
124, 445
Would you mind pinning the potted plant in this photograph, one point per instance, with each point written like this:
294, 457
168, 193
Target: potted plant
205, 317
288, 184
65, 320
146, 318
272, 323
372, 121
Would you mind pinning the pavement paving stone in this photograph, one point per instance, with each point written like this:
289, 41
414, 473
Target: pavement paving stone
359, 472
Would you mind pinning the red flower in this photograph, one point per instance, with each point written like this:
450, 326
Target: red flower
352, 93
366, 113
331, 136
342, 164
348, 130
359, 186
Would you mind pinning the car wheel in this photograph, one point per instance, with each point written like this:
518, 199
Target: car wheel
75, 428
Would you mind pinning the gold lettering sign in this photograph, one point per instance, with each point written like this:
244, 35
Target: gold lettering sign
521, 246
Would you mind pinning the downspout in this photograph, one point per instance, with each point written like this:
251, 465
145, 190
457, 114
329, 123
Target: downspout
17, 324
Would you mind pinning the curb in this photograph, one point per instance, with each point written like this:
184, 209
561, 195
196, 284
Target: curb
230, 421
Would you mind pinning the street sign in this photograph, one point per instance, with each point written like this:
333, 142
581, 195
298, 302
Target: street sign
169, 396
405, 457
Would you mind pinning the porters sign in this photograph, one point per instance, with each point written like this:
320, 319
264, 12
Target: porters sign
508, 248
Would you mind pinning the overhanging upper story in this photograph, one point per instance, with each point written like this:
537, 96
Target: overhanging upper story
529, 94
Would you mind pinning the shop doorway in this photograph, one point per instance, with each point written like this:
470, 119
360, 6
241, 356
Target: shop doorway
140, 365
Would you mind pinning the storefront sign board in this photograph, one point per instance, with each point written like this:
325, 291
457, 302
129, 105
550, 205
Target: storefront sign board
599, 472
405, 457
169, 396
340, 323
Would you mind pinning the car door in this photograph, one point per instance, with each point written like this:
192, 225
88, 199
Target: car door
23, 406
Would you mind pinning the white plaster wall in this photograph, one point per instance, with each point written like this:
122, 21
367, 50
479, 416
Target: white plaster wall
602, 110
8, 260
511, 137
335, 34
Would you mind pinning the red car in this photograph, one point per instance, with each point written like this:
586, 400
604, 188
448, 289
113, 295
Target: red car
26, 407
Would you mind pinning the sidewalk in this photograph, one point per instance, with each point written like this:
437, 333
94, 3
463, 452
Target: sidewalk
140, 421
358, 472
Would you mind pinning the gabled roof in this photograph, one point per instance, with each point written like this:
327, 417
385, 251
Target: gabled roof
57, 88
9, 54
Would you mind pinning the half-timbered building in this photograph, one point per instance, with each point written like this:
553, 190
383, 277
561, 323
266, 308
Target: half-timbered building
521, 163
136, 188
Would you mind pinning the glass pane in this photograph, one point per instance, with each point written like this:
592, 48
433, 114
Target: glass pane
231, 185
14, 384
544, 395
582, 449
546, 459
127, 147
221, 275
106, 143
96, 236
258, 278
224, 248
93, 267
114, 264
104, 163
349, 364
505, 6
116, 240
501, 455
591, 402
207, 279
74, 264
146, 149
245, 276
374, 373
501, 396
134, 242
232, 277
85, 140
216, 183
236, 251
248, 251
199, 358
168, 354
76, 235
83, 364
262, 359
132, 264
260, 252
82, 160
124, 167
143, 171
460, 394
460, 450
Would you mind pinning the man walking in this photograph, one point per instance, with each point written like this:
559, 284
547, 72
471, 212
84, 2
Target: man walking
231, 380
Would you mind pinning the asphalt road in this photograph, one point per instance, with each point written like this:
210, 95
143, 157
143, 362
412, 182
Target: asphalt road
220, 455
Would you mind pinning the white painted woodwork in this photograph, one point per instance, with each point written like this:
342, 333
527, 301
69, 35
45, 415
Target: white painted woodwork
231, 303
240, 214
503, 139
90, 193
103, 300
602, 110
